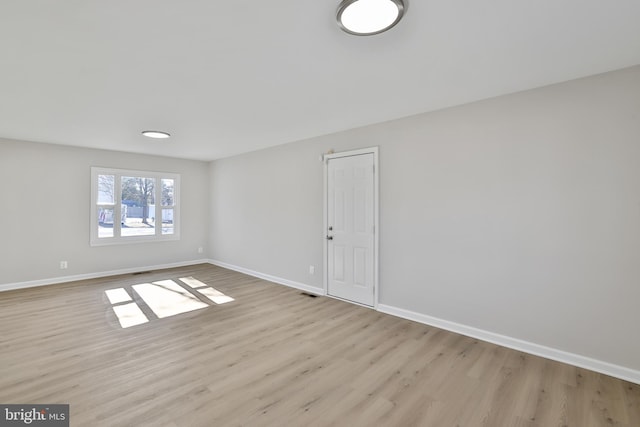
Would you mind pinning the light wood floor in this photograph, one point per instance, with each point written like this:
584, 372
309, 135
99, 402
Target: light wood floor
275, 357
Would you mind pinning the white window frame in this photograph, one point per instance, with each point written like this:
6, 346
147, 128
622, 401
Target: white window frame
117, 238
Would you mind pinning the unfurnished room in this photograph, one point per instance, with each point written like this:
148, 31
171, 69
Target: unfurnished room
320, 213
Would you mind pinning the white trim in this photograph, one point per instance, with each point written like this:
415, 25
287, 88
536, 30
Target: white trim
376, 215
268, 277
325, 226
606, 368
64, 279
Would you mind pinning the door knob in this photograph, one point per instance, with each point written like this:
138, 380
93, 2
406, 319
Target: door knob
329, 237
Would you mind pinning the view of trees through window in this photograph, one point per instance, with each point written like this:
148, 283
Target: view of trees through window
137, 214
136, 198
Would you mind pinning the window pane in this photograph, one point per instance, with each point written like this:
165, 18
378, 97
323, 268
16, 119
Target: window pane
135, 226
106, 189
167, 221
138, 202
139, 221
105, 222
167, 192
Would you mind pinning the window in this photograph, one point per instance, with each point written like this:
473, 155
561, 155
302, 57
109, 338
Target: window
133, 206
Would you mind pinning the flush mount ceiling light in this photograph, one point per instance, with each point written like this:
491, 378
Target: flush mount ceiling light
156, 134
369, 17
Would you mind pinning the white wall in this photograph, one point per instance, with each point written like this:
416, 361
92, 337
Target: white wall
518, 215
45, 207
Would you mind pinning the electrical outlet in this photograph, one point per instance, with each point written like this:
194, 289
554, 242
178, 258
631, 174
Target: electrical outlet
200, 250
312, 270
63, 265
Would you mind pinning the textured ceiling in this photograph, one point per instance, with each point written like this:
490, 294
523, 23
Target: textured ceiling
230, 77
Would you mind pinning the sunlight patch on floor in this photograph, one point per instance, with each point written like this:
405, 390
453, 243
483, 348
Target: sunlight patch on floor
129, 315
212, 293
192, 282
215, 295
167, 298
164, 297
117, 295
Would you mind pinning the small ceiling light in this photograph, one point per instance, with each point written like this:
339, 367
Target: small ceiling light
156, 134
368, 17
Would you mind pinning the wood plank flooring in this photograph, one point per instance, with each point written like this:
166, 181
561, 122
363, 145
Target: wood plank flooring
275, 357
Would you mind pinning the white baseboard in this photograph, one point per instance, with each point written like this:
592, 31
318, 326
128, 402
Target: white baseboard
73, 278
606, 368
270, 278
517, 344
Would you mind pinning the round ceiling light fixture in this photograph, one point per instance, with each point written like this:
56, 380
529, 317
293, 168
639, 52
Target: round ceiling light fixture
369, 17
157, 134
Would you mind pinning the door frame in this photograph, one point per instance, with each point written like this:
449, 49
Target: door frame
376, 225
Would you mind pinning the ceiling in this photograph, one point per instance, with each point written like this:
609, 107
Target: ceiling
227, 77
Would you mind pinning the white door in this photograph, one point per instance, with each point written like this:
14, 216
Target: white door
350, 228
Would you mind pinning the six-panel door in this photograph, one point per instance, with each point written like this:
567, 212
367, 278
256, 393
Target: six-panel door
350, 214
